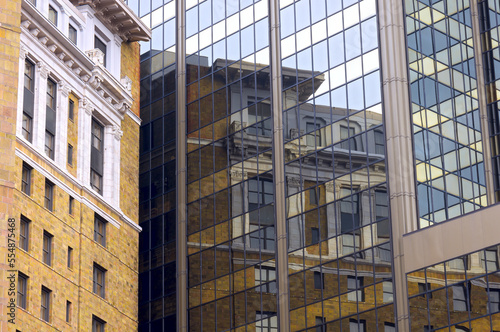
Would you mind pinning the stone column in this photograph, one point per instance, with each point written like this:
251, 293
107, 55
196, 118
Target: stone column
239, 203
39, 109
332, 227
296, 234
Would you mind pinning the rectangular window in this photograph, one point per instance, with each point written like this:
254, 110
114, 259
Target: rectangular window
313, 137
97, 324
71, 110
99, 281
379, 142
314, 235
384, 252
72, 35
26, 179
424, 289
319, 280
265, 276
99, 230
460, 263
320, 321
70, 257
96, 164
351, 244
260, 199
259, 118
27, 127
347, 133
53, 15
22, 290
266, 321
47, 248
98, 43
490, 260
388, 293
70, 154
28, 100
49, 144
24, 233
45, 304
49, 195
493, 301
389, 327
357, 326
460, 301
314, 194
71, 205
355, 286
51, 94
68, 312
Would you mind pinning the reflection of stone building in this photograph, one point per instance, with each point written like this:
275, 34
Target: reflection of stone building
297, 172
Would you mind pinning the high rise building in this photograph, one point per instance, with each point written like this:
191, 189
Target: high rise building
319, 165
69, 147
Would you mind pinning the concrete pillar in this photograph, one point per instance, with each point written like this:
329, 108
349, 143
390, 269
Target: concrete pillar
399, 137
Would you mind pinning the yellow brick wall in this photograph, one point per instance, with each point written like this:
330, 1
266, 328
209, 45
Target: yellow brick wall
9, 64
120, 255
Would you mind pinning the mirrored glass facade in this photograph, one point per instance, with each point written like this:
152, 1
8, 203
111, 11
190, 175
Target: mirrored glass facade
275, 205
446, 120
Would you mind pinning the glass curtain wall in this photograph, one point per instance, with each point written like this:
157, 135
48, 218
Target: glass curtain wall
157, 199
489, 20
446, 120
230, 188
339, 260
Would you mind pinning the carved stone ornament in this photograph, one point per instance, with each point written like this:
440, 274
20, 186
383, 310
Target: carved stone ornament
42, 69
64, 88
330, 186
96, 55
87, 106
117, 133
23, 53
127, 83
238, 175
293, 181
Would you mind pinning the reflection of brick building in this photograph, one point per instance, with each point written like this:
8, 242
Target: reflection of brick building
71, 152
302, 159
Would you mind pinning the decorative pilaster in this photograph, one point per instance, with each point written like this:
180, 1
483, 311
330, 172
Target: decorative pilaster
23, 53
61, 141
39, 109
84, 141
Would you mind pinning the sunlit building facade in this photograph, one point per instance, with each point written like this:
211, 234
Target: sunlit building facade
319, 165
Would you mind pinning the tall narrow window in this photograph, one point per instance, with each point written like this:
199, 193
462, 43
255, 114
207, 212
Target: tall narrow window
319, 280
49, 195
314, 235
99, 281
260, 197
96, 166
379, 142
68, 312
50, 118
72, 35
493, 301
22, 290
52, 15
47, 248
319, 324
28, 100
26, 179
98, 43
259, 117
71, 205
490, 259
460, 300
71, 110
388, 293
45, 304
357, 325
24, 233
70, 154
99, 230
70, 257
